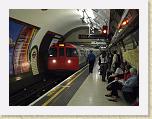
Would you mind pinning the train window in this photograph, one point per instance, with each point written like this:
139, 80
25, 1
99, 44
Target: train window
53, 52
71, 52
61, 51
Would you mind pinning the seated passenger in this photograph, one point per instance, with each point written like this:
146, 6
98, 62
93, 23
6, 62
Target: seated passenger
117, 84
127, 74
118, 73
130, 85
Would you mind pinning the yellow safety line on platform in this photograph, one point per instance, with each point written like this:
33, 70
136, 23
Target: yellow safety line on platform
57, 88
48, 101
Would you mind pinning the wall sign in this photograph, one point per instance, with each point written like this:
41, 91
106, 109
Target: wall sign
20, 36
33, 59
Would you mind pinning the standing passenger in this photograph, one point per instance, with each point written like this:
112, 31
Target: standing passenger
103, 65
109, 57
91, 60
109, 63
115, 62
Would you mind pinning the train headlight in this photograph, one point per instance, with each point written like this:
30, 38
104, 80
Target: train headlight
69, 61
54, 61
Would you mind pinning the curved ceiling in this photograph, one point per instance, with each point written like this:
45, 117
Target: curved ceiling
56, 20
60, 20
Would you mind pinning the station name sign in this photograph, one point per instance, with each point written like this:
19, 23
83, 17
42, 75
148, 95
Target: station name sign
97, 36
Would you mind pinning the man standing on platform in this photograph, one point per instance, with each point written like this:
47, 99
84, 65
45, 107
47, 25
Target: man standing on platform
91, 60
103, 65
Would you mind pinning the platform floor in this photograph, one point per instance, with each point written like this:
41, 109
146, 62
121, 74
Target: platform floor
92, 92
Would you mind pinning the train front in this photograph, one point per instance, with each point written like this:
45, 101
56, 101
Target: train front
63, 58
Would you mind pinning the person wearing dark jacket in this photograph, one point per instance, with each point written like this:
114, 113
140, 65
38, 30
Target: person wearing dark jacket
103, 65
91, 60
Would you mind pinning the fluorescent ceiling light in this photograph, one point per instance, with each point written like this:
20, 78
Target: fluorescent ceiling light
90, 13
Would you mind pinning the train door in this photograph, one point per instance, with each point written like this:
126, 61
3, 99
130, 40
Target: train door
61, 57
52, 58
72, 60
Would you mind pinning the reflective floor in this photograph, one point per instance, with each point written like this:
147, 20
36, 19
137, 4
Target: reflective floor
92, 93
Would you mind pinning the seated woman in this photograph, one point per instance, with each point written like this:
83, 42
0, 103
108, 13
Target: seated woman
130, 85
126, 74
117, 84
118, 73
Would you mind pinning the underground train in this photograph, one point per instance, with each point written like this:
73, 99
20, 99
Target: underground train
67, 57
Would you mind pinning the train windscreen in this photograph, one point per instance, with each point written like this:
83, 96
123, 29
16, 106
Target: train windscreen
71, 52
53, 52
61, 51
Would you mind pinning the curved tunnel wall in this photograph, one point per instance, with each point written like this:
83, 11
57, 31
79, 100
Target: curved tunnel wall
132, 57
21, 35
73, 34
56, 20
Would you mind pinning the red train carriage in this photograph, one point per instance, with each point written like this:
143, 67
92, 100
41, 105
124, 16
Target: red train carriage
64, 57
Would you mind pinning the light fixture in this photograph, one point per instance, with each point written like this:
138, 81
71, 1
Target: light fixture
104, 31
120, 30
90, 14
61, 45
123, 24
